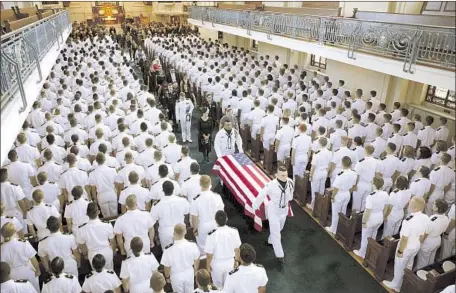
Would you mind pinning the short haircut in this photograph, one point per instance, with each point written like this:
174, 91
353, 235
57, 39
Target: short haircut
77, 192
391, 146
157, 281
136, 246
53, 224
163, 171
247, 253
168, 188
401, 182
323, 141
38, 195
378, 182
221, 218
57, 265
5, 271
180, 230
346, 161
98, 262
194, 168
205, 181
92, 210
441, 206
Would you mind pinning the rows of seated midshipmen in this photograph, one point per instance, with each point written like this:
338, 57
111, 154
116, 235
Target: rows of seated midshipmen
95, 139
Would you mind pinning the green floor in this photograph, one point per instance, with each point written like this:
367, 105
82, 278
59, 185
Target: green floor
315, 262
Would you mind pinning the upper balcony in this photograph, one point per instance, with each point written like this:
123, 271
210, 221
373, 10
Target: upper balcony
423, 53
28, 55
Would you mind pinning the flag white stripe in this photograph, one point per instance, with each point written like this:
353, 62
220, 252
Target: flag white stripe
244, 189
245, 174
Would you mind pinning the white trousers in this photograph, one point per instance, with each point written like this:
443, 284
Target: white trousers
108, 255
375, 221
183, 282
406, 261
108, 203
429, 208
277, 218
283, 152
166, 235
26, 272
267, 141
359, 196
426, 255
146, 245
185, 128
393, 223
220, 269
339, 205
203, 230
317, 185
300, 165
448, 247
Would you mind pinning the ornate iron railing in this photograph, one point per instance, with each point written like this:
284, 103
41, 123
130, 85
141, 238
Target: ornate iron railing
23, 49
412, 44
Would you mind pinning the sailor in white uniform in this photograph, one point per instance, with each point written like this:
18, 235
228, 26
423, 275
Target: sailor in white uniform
203, 281
226, 140
280, 191
184, 110
100, 279
60, 281
17, 286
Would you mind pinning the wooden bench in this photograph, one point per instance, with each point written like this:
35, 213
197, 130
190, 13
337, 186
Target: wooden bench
17, 24
256, 148
436, 279
347, 228
305, 10
400, 18
379, 253
322, 207
302, 188
8, 15
45, 14
245, 135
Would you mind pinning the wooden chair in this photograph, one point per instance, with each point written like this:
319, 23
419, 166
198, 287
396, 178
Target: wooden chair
322, 207
256, 147
347, 228
302, 185
378, 254
436, 279
245, 136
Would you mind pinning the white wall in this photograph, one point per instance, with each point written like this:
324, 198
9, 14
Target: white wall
208, 33
347, 7
272, 51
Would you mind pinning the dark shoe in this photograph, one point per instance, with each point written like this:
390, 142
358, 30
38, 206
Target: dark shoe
281, 260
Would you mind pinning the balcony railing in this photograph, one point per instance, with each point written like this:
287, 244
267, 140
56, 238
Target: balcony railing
411, 44
23, 50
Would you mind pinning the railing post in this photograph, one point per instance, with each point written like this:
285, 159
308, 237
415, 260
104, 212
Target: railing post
322, 31
295, 25
353, 41
37, 58
19, 81
412, 52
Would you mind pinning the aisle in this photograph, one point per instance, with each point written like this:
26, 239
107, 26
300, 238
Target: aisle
315, 262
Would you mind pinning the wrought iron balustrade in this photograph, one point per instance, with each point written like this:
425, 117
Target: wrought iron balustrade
23, 49
411, 44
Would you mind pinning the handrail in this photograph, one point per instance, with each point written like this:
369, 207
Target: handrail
23, 49
412, 44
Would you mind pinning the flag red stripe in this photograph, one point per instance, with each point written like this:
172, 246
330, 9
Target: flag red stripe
261, 172
227, 173
246, 182
254, 177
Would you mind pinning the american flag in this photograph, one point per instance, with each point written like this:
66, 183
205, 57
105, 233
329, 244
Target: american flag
245, 180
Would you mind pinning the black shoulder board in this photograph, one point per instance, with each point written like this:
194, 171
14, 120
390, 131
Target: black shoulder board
69, 276
396, 190
31, 208
337, 150
110, 272
150, 165
373, 192
89, 275
64, 172
129, 257
383, 158
423, 128
296, 136
433, 218
439, 128
409, 217
155, 203
21, 281
125, 187
406, 134
148, 253
14, 184
21, 240
80, 226
361, 160
197, 196
179, 160
9, 217
340, 173
187, 179
48, 205
51, 182
233, 271
168, 246
157, 123
210, 233
317, 151
403, 159
417, 180
437, 169
44, 238
48, 279
110, 167
258, 265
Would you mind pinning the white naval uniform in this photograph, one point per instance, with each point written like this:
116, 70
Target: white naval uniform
71, 178
285, 136
63, 283
134, 223
168, 212
19, 173
225, 143
270, 123
302, 143
320, 161
420, 187
141, 193
38, 215
17, 253
448, 248
184, 110
191, 187
276, 210
182, 168
103, 178
52, 169
180, 257
156, 190
366, 171
221, 243
413, 227
51, 193
435, 228
101, 282
337, 157
246, 279
387, 166
440, 177
96, 235
10, 195
344, 181
122, 175
152, 172
77, 212
205, 206
138, 270
375, 202
255, 116
398, 199
18, 286
60, 245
